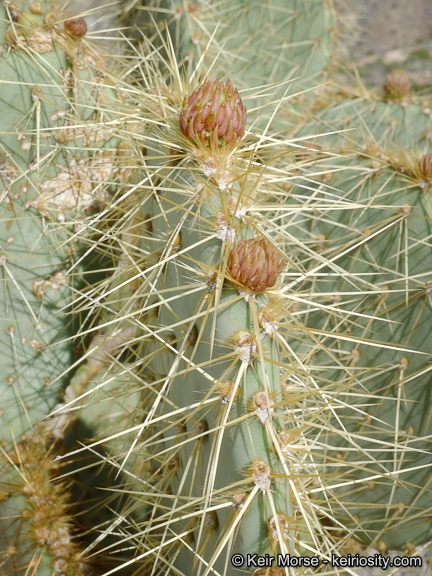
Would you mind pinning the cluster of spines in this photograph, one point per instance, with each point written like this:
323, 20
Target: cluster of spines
37, 527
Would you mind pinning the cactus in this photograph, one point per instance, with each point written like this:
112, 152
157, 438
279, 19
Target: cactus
209, 392
384, 443
33, 278
44, 179
60, 163
197, 208
261, 347
37, 528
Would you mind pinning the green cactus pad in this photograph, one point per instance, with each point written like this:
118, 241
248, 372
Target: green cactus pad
55, 166
382, 243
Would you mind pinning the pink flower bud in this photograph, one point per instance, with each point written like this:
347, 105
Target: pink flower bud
213, 115
255, 264
397, 85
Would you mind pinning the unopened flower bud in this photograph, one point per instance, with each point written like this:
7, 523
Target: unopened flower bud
76, 27
397, 85
255, 264
213, 114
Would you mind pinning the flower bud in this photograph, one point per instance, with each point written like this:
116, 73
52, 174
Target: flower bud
213, 115
397, 85
76, 27
255, 264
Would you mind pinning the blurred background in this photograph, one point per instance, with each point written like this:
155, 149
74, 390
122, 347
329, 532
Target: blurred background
385, 34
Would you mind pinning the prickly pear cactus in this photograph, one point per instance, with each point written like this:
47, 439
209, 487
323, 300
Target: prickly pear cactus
55, 168
60, 165
217, 364
379, 367
257, 359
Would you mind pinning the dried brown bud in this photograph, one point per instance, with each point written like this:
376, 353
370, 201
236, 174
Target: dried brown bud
213, 115
397, 85
255, 264
76, 27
